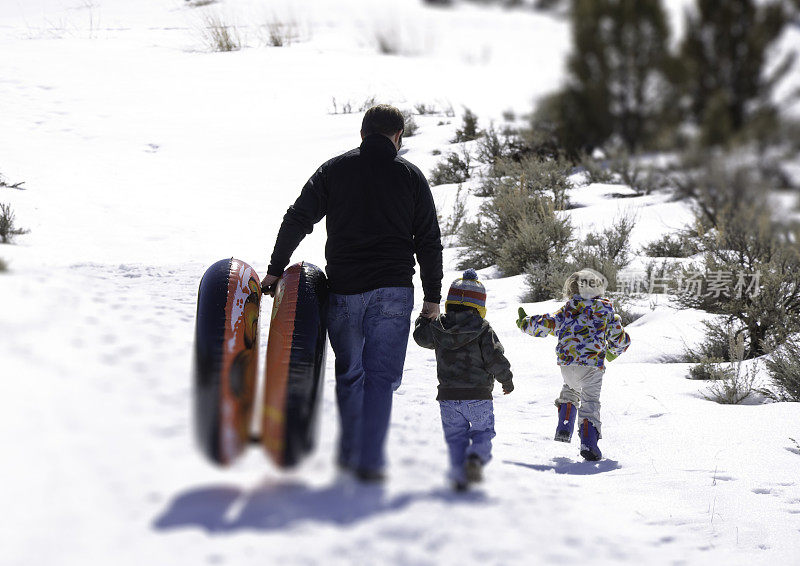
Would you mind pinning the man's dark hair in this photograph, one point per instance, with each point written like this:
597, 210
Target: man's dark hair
382, 119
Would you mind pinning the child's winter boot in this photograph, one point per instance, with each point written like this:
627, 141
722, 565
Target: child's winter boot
589, 437
566, 422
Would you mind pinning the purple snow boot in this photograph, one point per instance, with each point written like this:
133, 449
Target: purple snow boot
566, 422
589, 437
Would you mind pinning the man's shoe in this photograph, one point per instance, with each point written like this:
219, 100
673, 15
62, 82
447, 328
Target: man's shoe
473, 468
370, 476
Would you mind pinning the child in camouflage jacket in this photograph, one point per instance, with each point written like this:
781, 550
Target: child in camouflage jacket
589, 332
469, 358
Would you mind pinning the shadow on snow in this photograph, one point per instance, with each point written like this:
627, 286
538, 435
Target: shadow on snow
276, 505
571, 467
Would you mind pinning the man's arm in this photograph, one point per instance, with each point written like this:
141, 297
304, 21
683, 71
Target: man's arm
428, 243
309, 208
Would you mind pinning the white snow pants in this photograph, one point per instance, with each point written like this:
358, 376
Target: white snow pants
582, 388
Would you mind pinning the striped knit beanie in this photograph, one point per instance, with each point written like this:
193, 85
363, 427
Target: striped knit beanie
468, 291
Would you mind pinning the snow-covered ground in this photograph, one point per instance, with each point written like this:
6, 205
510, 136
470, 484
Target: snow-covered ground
146, 158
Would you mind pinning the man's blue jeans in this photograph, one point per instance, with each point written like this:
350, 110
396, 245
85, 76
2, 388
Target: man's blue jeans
468, 429
369, 336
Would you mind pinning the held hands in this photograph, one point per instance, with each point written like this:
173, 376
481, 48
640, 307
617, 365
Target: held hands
508, 387
429, 310
522, 322
268, 285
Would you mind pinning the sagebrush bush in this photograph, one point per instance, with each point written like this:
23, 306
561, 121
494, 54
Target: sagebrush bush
514, 228
422, 109
534, 174
341, 107
736, 385
456, 219
642, 179
219, 35
279, 33
453, 169
410, 125
595, 172
348, 106
547, 135
613, 244
606, 251
662, 277
4, 183
506, 144
715, 183
735, 382
491, 147
8, 228
544, 280
527, 243
367, 103
709, 369
716, 344
739, 237
469, 128
682, 245
783, 366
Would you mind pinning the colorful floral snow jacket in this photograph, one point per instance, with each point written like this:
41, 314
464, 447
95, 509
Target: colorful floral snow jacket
585, 328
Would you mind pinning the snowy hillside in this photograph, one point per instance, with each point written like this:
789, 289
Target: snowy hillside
146, 158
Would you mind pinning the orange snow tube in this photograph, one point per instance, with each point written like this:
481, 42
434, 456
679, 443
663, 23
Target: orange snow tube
225, 359
295, 364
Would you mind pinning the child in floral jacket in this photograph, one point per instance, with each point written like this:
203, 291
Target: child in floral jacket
588, 332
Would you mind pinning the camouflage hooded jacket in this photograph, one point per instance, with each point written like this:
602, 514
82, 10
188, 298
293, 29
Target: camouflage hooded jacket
469, 357
586, 329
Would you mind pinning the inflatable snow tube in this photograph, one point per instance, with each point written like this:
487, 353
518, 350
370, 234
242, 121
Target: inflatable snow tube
295, 364
225, 359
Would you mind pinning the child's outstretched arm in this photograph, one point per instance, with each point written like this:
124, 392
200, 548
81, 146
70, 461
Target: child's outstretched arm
538, 325
617, 340
423, 335
495, 361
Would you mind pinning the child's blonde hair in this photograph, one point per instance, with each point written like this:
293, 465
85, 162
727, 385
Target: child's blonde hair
587, 278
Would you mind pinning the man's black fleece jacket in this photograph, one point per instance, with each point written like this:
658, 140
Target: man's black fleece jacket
380, 213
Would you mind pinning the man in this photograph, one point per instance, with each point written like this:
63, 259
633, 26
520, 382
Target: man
380, 214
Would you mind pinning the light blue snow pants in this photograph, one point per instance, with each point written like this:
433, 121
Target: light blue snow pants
468, 429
